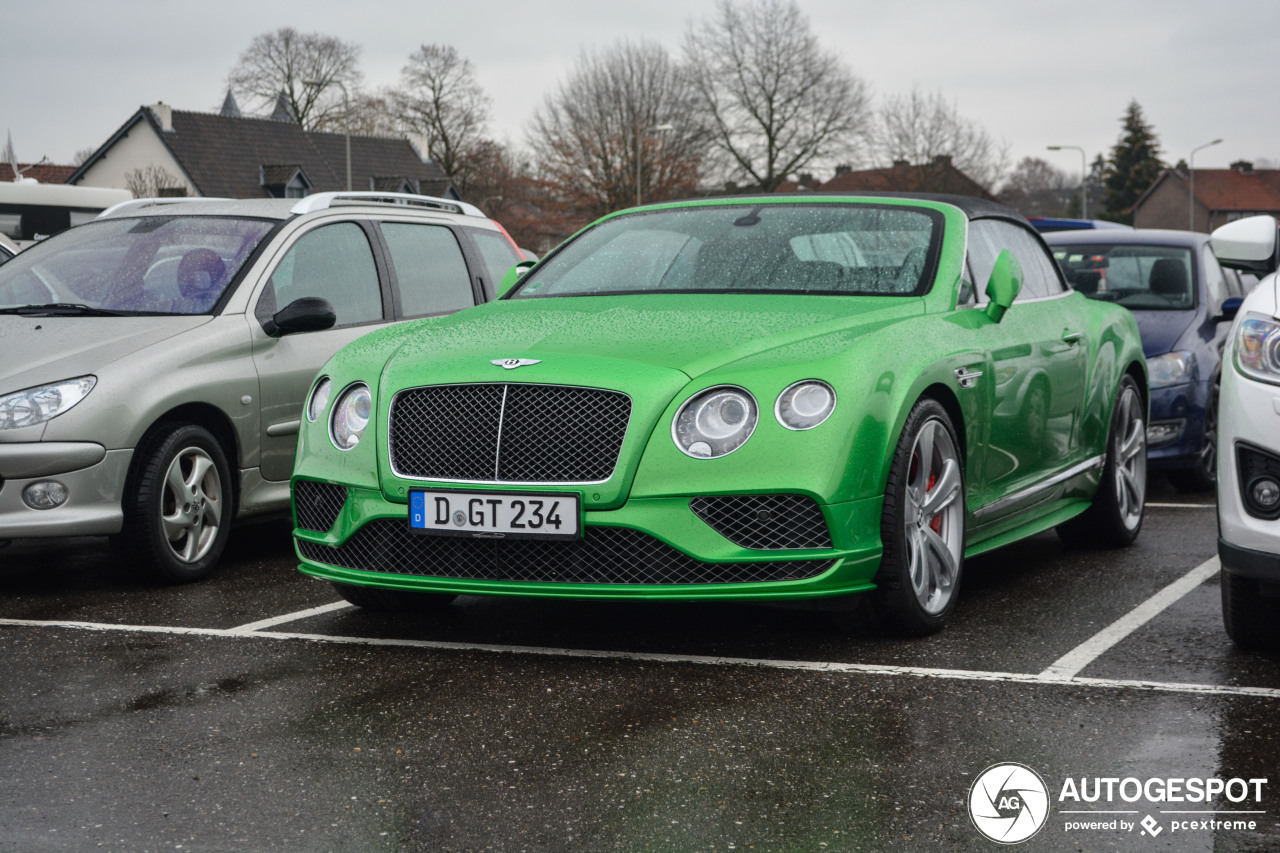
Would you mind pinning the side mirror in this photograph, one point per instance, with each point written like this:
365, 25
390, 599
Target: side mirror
1247, 244
1004, 284
512, 276
308, 314
1230, 308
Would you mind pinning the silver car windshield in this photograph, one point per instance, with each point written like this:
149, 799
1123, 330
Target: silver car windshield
831, 249
147, 265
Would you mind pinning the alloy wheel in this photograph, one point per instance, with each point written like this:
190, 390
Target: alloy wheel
933, 520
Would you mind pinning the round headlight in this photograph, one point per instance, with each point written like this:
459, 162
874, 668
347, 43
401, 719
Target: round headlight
805, 404
319, 399
351, 416
715, 422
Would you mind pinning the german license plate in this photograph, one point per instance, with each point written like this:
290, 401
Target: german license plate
496, 515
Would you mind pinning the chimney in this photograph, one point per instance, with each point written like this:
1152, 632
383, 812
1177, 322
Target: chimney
164, 115
842, 168
900, 164
942, 161
1244, 167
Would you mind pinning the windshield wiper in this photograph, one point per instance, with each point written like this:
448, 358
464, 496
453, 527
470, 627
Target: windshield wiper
68, 309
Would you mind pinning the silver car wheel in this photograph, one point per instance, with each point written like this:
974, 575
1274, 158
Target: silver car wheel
933, 518
192, 504
1129, 451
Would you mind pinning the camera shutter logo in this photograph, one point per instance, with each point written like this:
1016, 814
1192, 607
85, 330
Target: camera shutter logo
1008, 803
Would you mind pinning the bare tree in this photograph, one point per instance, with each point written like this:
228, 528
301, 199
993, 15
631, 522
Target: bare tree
920, 128
777, 102
373, 114
306, 67
1035, 187
623, 128
440, 99
152, 181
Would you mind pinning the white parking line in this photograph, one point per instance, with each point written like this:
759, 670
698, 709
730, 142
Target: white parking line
1067, 666
1061, 673
1182, 506
290, 617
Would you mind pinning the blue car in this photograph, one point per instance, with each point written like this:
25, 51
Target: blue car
1182, 300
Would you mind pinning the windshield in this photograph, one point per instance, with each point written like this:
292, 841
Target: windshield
1144, 278
743, 248
150, 265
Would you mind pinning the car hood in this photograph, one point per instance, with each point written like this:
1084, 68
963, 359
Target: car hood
1161, 330
50, 349
688, 333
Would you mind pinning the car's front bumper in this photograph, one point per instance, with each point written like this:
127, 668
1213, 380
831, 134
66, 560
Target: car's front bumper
1179, 409
94, 479
369, 543
1249, 418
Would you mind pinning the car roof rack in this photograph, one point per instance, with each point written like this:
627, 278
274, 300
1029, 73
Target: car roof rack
135, 203
323, 201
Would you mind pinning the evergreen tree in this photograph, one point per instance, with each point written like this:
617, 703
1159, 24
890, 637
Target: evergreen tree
1133, 167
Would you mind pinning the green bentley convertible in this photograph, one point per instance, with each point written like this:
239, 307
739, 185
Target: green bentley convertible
751, 398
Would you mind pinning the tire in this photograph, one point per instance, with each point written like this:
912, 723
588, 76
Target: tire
922, 525
399, 600
1251, 620
1115, 517
1203, 476
178, 504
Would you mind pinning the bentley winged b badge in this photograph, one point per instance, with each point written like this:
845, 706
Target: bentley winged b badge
513, 363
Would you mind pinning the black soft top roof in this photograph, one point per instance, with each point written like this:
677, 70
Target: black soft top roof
971, 206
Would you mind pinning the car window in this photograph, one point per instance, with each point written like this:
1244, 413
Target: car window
152, 264
496, 252
333, 262
1039, 279
981, 258
1216, 289
430, 269
1142, 277
836, 249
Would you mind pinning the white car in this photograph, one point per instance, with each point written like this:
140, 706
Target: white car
1249, 442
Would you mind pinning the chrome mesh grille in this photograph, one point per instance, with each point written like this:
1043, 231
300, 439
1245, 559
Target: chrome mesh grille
765, 522
605, 555
507, 433
317, 504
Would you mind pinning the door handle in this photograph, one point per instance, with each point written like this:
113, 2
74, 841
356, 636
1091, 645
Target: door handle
1071, 337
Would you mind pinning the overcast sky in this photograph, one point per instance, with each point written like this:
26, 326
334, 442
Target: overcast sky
1033, 74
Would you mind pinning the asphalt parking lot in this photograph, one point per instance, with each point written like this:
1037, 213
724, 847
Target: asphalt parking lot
257, 712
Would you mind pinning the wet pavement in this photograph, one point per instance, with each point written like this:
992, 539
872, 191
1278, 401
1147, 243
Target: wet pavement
252, 713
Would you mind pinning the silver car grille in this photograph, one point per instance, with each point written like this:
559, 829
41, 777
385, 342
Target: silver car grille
507, 433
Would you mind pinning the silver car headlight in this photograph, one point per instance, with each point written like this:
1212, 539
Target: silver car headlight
351, 416
1257, 349
319, 399
1173, 368
32, 406
715, 422
805, 404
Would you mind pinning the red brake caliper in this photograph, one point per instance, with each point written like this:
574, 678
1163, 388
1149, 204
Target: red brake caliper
936, 521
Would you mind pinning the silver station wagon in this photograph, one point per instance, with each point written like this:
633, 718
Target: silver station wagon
153, 363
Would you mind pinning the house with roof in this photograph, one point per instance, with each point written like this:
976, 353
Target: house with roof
939, 175
163, 151
1221, 196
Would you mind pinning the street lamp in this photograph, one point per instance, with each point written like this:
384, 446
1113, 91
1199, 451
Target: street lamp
1191, 183
661, 128
1084, 176
346, 116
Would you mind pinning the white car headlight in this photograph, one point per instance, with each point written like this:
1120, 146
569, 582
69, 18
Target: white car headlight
351, 416
1257, 348
33, 406
1172, 368
805, 404
715, 422
319, 399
